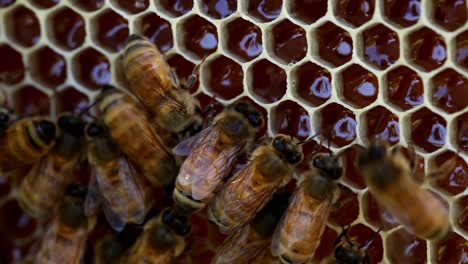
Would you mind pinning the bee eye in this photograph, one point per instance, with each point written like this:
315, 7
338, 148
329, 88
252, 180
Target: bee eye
319, 162
278, 144
294, 157
46, 130
255, 119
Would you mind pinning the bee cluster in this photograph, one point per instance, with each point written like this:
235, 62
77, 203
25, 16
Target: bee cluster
159, 139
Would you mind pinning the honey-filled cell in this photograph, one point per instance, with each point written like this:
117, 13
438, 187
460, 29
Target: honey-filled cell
111, 30
449, 91
426, 49
312, 83
45, 3
452, 179
307, 11
175, 7
218, 9
428, 130
183, 68
243, 39
31, 101
359, 86
355, 12
48, 67
92, 68
89, 5
157, 30
289, 42
335, 45
199, 36
337, 125
461, 46
11, 66
381, 124
291, 119
133, 6
268, 81
67, 29
71, 100
404, 247
405, 88
23, 26
381, 46
452, 249
224, 78
264, 10
405, 13
450, 14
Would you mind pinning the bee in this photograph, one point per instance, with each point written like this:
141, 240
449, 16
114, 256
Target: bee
113, 247
130, 128
45, 183
351, 253
388, 175
211, 155
270, 166
252, 242
153, 82
25, 142
65, 238
298, 234
4, 120
114, 182
162, 240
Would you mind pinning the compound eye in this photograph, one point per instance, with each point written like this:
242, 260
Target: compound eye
319, 162
279, 144
294, 158
255, 119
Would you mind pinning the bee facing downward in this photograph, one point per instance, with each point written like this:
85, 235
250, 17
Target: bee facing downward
298, 235
252, 187
388, 175
45, 183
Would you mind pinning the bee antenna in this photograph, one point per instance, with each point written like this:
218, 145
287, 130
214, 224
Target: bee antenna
374, 236
309, 139
329, 149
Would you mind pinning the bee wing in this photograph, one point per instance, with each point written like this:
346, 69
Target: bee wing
148, 133
115, 220
93, 196
185, 147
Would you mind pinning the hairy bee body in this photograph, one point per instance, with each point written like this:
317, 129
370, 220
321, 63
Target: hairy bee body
388, 175
25, 142
130, 128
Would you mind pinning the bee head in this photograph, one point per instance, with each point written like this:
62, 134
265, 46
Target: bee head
375, 152
288, 148
255, 117
4, 119
46, 130
163, 237
177, 222
95, 129
331, 166
71, 124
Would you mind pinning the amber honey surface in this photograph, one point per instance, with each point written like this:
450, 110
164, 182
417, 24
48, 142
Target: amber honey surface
310, 65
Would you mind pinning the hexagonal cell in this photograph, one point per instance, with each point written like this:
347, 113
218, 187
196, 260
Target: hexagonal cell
346, 212
111, 30
199, 36
11, 65
89, 5
48, 67
405, 88
92, 68
461, 219
71, 100
31, 101
326, 246
307, 11
362, 235
381, 46
224, 78
157, 30
291, 119
451, 179
352, 175
45, 3
359, 86
312, 83
403, 247
428, 130
289, 42
183, 69
205, 100
264, 10
175, 7
268, 81
5, 3
18, 224
461, 46
427, 49
355, 12
23, 26
243, 39
452, 249
462, 132
449, 91
375, 214
389, 128
218, 9
337, 124
67, 29
403, 12
262, 130
132, 6
450, 14
335, 45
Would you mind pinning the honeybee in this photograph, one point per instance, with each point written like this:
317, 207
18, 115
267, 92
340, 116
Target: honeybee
298, 235
45, 183
4, 120
211, 155
65, 238
114, 182
113, 247
25, 142
251, 188
153, 82
252, 242
162, 240
130, 128
388, 175
347, 252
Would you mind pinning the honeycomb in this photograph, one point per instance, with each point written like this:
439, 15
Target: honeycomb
310, 65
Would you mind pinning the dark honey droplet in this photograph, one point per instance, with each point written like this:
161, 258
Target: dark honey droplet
335, 44
381, 46
31, 101
360, 86
427, 49
268, 81
176, 7
289, 42
68, 29
452, 249
244, 39
158, 31
450, 91
200, 36
49, 67
404, 247
71, 100
450, 14
264, 10
308, 11
92, 69
225, 78
11, 65
45, 3
461, 45
405, 88
183, 69
111, 30
133, 6
291, 119
454, 180
338, 124
23, 26
389, 128
218, 8
403, 12
313, 83
428, 130
356, 12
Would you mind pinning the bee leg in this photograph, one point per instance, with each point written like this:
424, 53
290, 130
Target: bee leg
175, 79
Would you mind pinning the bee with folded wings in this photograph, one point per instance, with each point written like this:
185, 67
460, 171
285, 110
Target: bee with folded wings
65, 238
298, 234
114, 184
45, 183
270, 167
211, 155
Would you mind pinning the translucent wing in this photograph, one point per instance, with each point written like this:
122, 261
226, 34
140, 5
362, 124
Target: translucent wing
93, 197
186, 146
115, 220
148, 133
